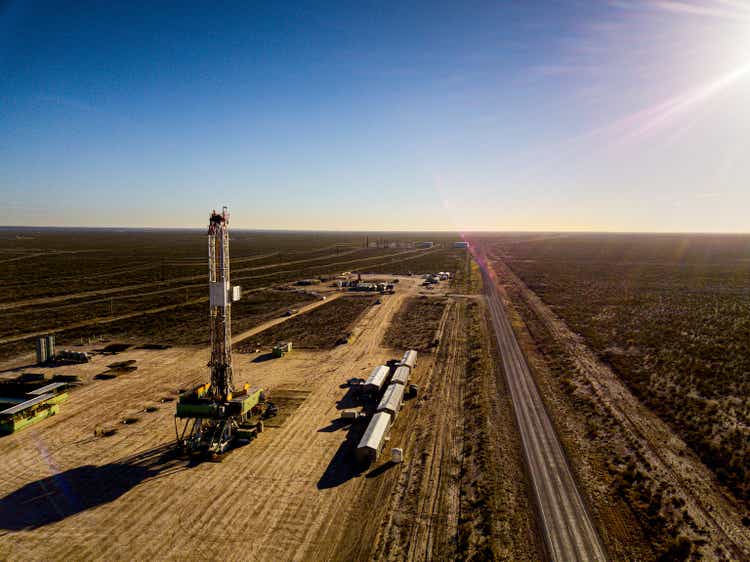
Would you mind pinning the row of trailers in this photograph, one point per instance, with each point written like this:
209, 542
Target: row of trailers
395, 382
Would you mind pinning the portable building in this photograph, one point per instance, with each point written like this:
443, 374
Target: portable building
410, 359
376, 380
401, 375
374, 438
392, 399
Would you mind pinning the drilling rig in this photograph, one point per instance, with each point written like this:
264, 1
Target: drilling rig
216, 414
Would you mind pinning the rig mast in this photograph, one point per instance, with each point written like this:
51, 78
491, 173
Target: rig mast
217, 414
220, 324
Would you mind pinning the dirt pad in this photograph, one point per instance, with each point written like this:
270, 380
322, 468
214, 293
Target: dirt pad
270, 490
287, 401
83, 485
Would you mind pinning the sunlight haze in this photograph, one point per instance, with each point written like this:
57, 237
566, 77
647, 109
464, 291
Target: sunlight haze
610, 116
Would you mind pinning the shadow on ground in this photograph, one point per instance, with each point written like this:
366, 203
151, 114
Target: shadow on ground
335, 425
264, 357
385, 467
351, 399
57, 497
343, 466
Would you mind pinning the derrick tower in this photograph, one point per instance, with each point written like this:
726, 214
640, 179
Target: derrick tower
220, 325
216, 415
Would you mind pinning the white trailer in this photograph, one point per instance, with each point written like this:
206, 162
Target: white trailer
410, 359
401, 375
373, 440
377, 379
392, 399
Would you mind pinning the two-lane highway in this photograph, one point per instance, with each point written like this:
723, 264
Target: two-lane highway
568, 531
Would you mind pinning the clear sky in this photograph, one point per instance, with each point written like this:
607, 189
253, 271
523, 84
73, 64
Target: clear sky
560, 115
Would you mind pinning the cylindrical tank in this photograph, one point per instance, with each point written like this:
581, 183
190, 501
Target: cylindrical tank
41, 351
50, 347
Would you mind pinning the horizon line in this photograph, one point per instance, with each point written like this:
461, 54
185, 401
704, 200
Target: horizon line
458, 231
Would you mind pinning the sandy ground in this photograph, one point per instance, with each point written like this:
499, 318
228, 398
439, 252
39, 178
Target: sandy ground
291, 494
68, 492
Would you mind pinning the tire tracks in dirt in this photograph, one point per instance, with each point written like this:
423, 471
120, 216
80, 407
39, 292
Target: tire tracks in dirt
421, 521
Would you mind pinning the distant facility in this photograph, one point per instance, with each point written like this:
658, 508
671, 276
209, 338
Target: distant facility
461, 245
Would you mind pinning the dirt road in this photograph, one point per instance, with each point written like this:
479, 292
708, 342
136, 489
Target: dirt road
568, 530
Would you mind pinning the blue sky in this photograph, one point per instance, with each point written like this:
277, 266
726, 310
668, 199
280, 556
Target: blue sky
560, 115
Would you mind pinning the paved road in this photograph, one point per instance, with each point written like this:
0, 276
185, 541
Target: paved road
568, 531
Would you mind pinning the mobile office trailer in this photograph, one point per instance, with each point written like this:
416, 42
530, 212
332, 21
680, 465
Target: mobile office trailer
410, 359
392, 399
401, 375
376, 381
373, 440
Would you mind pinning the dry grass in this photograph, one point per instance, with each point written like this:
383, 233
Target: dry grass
495, 517
415, 325
671, 316
92, 277
431, 261
320, 328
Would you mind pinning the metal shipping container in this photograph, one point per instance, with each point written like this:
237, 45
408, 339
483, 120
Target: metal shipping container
376, 380
392, 399
401, 376
374, 438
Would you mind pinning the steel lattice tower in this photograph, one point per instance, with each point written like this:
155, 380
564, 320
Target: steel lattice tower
221, 306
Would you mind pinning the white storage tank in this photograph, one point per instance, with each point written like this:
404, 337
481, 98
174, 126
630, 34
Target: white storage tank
50, 347
401, 376
392, 399
374, 438
42, 353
